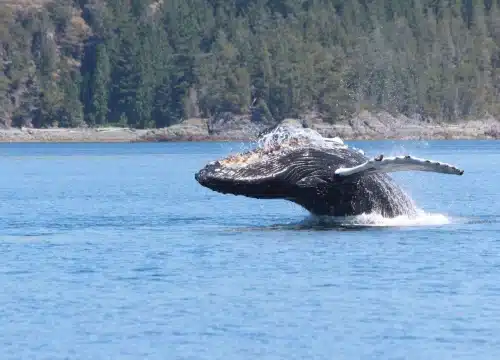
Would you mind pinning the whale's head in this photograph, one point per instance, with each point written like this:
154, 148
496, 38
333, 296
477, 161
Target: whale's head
254, 173
276, 172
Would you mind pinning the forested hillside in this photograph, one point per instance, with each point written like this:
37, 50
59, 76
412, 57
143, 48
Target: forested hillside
153, 63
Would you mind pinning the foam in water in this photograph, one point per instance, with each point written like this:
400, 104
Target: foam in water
422, 218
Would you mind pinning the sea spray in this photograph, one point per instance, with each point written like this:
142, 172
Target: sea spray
290, 135
374, 219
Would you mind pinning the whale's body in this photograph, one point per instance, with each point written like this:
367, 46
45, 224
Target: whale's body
335, 180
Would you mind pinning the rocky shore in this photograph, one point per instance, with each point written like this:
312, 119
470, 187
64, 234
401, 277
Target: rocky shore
364, 126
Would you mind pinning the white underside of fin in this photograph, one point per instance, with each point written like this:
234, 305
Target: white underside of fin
398, 163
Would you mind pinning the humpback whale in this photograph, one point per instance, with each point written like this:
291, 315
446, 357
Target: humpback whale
324, 176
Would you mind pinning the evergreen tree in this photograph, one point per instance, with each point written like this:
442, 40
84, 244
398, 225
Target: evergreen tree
154, 63
70, 112
100, 87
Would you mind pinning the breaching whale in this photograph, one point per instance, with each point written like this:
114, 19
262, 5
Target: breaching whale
324, 176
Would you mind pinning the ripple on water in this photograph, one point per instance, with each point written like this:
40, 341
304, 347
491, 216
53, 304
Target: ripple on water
127, 257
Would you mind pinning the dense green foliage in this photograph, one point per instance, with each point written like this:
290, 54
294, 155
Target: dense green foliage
152, 63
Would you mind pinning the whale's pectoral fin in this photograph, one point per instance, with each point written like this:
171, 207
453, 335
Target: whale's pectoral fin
398, 163
311, 181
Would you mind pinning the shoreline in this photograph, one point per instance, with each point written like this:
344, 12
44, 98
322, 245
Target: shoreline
16, 136
365, 126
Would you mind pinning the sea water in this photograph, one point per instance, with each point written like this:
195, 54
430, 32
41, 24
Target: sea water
113, 251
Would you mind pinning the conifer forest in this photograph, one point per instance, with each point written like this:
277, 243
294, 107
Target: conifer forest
145, 64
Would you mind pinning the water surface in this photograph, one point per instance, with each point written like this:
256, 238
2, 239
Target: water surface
113, 251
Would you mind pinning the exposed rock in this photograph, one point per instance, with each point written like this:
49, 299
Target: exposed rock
228, 125
223, 127
382, 125
67, 135
365, 126
189, 130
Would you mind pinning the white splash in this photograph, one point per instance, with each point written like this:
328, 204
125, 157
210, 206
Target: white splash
421, 218
282, 138
293, 136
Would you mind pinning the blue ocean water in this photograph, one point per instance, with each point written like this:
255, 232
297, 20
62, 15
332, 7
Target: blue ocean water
113, 251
